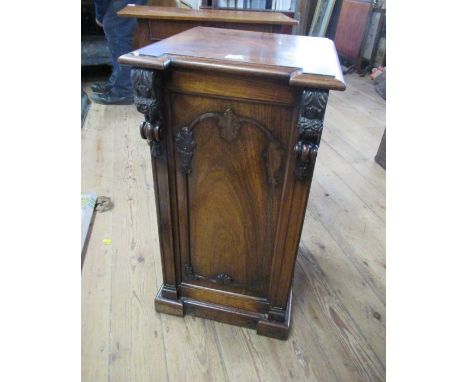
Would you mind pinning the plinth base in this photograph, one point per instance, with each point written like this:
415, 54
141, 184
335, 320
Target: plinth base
226, 314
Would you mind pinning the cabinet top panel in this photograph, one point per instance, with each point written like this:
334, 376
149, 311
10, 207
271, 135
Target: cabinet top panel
304, 61
172, 13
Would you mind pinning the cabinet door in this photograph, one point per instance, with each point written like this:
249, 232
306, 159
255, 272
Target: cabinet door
231, 164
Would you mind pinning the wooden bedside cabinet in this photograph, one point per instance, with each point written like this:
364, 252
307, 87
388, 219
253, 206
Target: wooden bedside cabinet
233, 120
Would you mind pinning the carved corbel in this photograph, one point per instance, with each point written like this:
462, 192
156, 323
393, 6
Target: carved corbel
148, 100
309, 131
153, 134
306, 153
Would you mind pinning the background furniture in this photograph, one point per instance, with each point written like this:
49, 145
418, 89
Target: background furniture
233, 120
304, 12
381, 156
173, 3
322, 15
88, 202
380, 88
84, 106
157, 23
250, 5
351, 29
375, 32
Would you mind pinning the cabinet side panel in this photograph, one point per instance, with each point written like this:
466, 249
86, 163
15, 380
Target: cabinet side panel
148, 87
306, 140
162, 195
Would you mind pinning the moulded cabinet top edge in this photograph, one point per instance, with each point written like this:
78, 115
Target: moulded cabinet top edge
202, 15
305, 61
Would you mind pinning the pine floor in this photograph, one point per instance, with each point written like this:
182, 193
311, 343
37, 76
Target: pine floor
338, 316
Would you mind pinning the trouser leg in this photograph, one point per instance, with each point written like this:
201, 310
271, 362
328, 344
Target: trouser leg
111, 44
119, 33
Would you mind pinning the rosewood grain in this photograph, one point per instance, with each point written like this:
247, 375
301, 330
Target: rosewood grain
233, 158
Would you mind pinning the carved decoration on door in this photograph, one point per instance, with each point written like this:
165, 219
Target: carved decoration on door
185, 144
230, 124
220, 278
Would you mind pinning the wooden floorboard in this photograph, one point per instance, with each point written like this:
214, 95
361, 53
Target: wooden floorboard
97, 175
338, 316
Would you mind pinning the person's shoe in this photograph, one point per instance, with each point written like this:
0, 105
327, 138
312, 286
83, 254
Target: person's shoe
101, 87
111, 99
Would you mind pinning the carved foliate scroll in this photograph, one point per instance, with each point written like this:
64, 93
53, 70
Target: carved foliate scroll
274, 160
220, 278
309, 131
185, 144
147, 89
230, 125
